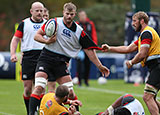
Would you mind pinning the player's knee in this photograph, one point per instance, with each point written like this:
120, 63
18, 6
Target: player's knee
27, 91
150, 90
51, 86
40, 82
145, 98
69, 85
148, 96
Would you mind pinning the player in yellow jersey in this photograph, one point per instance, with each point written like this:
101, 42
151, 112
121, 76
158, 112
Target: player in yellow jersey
52, 103
148, 46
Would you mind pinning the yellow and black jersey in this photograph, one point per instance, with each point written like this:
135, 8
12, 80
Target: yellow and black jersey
49, 106
150, 38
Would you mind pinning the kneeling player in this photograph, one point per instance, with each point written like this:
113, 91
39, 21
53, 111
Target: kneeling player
125, 105
52, 103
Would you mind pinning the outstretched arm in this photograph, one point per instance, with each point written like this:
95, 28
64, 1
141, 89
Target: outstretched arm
93, 57
120, 49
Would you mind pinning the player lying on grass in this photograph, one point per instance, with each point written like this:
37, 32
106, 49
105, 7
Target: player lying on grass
125, 105
52, 103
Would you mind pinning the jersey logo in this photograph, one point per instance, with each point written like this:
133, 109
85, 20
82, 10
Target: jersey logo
66, 33
36, 27
48, 104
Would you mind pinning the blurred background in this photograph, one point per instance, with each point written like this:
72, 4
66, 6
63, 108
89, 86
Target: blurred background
112, 19
108, 16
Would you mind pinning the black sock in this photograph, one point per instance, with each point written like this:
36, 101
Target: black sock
33, 103
26, 101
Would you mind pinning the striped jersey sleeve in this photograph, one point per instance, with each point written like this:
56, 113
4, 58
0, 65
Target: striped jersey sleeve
86, 42
146, 38
19, 31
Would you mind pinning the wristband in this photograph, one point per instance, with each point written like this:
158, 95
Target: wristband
109, 48
70, 102
130, 62
110, 109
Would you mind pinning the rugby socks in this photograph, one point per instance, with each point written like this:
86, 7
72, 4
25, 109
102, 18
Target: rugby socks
99, 113
41, 97
26, 101
33, 103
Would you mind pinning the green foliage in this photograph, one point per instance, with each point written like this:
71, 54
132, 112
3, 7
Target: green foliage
108, 15
109, 21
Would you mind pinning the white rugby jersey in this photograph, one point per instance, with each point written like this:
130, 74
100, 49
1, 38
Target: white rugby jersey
70, 40
27, 30
135, 107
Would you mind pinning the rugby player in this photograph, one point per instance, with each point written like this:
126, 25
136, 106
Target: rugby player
52, 103
66, 44
31, 49
148, 46
51, 83
46, 13
125, 105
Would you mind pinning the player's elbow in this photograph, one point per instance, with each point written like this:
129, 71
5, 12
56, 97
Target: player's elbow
142, 55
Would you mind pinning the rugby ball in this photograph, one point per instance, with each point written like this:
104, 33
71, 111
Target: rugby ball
102, 80
75, 80
51, 27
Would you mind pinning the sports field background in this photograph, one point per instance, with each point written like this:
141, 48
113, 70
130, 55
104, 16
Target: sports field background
95, 98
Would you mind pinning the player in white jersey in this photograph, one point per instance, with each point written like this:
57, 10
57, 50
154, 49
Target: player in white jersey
31, 49
125, 105
51, 83
66, 44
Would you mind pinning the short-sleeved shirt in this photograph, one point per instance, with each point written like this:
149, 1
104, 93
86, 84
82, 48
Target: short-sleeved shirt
133, 105
49, 106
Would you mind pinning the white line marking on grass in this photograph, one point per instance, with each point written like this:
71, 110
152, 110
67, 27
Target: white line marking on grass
3, 113
111, 91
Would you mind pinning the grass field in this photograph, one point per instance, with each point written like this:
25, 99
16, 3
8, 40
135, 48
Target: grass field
95, 98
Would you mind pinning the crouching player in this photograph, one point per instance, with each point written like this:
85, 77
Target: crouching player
52, 103
125, 105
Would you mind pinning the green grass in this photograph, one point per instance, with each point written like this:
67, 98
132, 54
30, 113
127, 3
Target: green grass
95, 98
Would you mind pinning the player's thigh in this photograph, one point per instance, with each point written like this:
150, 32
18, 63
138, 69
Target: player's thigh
51, 86
64, 79
154, 77
41, 74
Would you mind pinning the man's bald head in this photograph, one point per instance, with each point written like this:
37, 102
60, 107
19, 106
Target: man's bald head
37, 11
36, 4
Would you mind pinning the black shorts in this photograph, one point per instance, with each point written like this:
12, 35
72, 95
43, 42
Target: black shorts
29, 63
53, 64
154, 77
